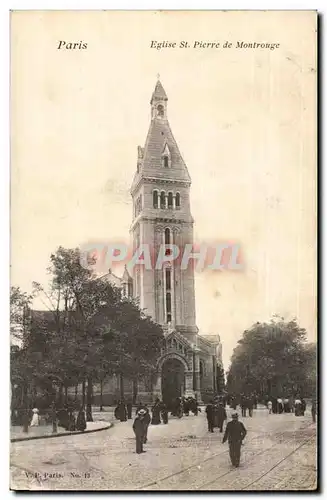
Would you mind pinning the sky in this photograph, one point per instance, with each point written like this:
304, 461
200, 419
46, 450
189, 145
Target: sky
244, 121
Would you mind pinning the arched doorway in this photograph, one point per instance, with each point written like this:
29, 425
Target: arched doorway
172, 380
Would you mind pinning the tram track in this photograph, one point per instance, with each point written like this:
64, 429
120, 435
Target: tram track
278, 463
198, 464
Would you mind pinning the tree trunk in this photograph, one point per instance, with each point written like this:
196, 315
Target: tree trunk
134, 390
101, 390
89, 400
25, 412
61, 390
66, 394
83, 393
76, 392
121, 379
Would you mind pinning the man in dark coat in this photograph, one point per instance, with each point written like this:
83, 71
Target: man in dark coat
147, 422
235, 433
139, 430
139, 407
210, 411
249, 404
221, 416
164, 413
122, 412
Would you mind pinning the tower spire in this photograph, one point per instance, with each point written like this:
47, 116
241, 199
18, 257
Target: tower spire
159, 93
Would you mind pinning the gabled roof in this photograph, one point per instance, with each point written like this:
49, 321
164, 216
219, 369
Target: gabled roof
110, 277
180, 338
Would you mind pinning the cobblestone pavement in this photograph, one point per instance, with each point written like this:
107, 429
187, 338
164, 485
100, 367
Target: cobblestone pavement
279, 453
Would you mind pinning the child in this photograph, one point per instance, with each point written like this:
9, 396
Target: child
35, 419
269, 406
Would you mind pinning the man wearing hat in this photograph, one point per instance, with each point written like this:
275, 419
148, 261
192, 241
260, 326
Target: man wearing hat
139, 430
235, 433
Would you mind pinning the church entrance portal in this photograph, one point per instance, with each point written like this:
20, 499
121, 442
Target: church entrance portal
173, 381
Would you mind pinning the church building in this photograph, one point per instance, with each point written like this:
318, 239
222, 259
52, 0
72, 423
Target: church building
162, 215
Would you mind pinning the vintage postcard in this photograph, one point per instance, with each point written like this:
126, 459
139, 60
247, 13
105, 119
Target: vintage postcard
163, 250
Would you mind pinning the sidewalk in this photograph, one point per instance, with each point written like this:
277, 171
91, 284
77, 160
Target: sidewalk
45, 431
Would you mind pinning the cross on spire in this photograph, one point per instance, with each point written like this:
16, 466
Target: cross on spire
158, 76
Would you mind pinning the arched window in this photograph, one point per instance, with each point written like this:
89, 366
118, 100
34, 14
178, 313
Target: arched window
162, 199
178, 201
168, 310
160, 110
170, 200
166, 161
167, 236
168, 280
155, 199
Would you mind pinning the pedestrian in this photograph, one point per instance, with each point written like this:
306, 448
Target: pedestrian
71, 420
286, 405
297, 407
243, 405
221, 416
303, 405
280, 405
235, 433
269, 406
314, 410
233, 402
164, 413
122, 413
274, 404
129, 409
81, 422
156, 412
139, 407
187, 404
63, 418
210, 411
35, 419
139, 430
147, 421
250, 405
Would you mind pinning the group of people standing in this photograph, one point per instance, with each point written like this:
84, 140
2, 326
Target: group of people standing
216, 415
288, 404
71, 420
247, 402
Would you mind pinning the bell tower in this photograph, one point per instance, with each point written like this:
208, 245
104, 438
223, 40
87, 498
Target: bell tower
162, 215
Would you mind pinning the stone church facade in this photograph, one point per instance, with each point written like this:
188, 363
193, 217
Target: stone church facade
162, 215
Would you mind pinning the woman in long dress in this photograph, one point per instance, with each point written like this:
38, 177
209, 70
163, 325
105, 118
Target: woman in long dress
35, 419
156, 413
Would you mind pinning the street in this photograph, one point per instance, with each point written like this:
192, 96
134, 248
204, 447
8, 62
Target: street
279, 453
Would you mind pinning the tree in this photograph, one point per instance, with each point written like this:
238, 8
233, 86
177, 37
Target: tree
19, 304
270, 358
87, 332
220, 379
